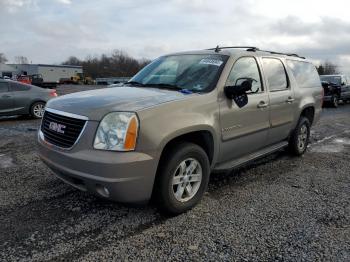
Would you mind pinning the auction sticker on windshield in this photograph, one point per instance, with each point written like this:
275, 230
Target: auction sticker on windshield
207, 61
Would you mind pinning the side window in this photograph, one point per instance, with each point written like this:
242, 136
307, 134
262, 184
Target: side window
304, 73
245, 67
19, 87
275, 74
4, 87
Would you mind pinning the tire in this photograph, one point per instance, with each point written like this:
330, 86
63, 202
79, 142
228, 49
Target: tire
37, 110
300, 137
335, 101
172, 192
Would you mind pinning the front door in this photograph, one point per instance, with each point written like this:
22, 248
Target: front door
281, 99
244, 130
6, 99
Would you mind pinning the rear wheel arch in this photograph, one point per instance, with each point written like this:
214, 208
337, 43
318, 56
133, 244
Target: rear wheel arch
309, 113
33, 102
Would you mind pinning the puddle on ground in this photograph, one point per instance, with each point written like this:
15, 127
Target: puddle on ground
336, 145
6, 161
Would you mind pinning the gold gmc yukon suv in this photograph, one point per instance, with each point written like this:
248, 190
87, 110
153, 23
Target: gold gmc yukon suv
181, 118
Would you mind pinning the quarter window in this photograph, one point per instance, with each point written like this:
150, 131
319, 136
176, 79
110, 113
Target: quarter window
275, 74
304, 73
245, 68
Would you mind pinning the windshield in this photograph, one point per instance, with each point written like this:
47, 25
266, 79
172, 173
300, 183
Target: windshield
332, 79
196, 73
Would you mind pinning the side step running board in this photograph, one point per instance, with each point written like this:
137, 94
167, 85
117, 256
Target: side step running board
243, 160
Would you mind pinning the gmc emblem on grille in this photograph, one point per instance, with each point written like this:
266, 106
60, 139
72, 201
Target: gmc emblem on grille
59, 128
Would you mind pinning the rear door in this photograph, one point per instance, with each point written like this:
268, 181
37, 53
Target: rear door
22, 97
6, 99
281, 99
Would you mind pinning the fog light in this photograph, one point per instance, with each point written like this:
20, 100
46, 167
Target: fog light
106, 191
102, 190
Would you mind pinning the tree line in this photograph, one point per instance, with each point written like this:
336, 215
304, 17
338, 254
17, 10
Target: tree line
118, 64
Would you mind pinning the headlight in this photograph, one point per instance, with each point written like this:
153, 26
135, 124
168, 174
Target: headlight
117, 132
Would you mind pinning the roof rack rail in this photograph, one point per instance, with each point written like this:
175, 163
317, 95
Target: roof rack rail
253, 49
249, 48
280, 53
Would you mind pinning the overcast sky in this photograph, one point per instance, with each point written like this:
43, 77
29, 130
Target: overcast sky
48, 31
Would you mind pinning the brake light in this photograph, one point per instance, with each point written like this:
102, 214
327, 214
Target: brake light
53, 93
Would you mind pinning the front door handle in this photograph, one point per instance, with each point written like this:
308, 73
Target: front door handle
262, 104
290, 100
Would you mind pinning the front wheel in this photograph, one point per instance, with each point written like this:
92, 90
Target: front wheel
37, 110
182, 178
300, 137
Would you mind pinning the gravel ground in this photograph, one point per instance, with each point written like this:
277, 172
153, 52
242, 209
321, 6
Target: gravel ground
278, 208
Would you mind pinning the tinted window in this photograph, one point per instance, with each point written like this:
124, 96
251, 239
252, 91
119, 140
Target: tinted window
304, 73
275, 74
19, 87
3, 87
245, 67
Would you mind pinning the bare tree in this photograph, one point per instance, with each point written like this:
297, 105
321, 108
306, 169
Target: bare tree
118, 64
327, 68
3, 58
21, 60
72, 60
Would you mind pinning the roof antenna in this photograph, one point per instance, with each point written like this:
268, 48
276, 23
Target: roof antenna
217, 49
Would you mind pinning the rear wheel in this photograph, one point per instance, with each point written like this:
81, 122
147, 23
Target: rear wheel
182, 179
37, 109
300, 137
335, 101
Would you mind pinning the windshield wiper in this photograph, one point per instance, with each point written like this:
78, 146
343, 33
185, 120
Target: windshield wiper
134, 83
167, 86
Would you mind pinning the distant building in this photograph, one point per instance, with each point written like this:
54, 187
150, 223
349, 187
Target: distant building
50, 73
6, 70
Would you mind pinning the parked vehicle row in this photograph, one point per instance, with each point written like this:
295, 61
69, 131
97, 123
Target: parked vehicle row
184, 116
336, 88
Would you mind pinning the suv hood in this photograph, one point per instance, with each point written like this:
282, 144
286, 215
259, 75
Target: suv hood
97, 103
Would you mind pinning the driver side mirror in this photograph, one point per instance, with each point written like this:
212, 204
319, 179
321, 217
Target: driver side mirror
239, 92
232, 91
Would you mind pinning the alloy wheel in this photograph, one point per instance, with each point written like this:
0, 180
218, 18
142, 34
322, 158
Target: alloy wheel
302, 137
187, 179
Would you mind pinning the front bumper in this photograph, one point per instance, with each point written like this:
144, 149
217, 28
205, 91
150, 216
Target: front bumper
126, 177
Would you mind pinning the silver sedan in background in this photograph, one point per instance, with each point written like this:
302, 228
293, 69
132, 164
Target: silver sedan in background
22, 99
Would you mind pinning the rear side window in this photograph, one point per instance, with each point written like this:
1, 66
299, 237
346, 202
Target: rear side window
304, 73
4, 87
19, 87
275, 74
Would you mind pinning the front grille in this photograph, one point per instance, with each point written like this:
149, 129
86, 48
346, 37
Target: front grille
61, 130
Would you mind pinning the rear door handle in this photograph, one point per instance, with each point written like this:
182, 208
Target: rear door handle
262, 104
290, 100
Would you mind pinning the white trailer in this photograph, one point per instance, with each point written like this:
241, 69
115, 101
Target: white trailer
50, 73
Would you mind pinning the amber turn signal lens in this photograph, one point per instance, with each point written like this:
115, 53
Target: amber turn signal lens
131, 135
